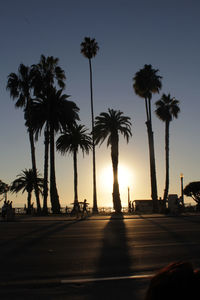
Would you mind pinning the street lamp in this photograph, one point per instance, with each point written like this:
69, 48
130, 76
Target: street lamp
182, 197
129, 210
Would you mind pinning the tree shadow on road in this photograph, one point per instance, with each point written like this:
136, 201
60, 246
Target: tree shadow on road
114, 261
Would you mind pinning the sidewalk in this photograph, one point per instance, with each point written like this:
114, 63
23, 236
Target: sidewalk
62, 217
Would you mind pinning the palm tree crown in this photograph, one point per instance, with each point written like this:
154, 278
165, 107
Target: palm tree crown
146, 82
109, 125
25, 182
19, 85
56, 110
89, 47
167, 108
46, 74
73, 138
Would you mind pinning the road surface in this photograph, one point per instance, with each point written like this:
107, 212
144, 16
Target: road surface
77, 259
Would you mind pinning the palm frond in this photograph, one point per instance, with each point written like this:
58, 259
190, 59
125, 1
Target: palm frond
167, 108
89, 47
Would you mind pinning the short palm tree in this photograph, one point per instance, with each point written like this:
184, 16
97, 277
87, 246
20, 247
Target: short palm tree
89, 49
25, 183
146, 83
70, 142
20, 86
109, 126
167, 108
46, 75
4, 188
57, 113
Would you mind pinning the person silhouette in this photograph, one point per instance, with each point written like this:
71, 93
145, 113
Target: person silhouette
85, 204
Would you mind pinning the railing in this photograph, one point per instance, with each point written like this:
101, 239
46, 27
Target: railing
102, 210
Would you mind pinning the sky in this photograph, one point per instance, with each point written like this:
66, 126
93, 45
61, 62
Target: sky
130, 34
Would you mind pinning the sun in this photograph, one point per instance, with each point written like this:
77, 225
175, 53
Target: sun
125, 177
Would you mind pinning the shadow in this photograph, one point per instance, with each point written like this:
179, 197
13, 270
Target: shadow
19, 252
114, 261
114, 257
172, 233
40, 228
28, 243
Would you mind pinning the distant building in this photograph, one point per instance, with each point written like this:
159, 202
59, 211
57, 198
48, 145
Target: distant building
143, 206
173, 203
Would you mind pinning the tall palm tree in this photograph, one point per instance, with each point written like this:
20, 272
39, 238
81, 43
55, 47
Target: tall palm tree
46, 75
20, 86
25, 182
70, 141
146, 83
108, 126
57, 113
89, 49
167, 108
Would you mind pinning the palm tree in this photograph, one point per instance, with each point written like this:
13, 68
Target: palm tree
89, 49
57, 113
25, 182
109, 125
167, 108
20, 86
4, 187
146, 83
70, 141
46, 75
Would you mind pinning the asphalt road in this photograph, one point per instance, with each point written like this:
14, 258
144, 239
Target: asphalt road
41, 259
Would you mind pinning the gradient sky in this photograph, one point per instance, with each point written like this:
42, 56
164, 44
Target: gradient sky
130, 34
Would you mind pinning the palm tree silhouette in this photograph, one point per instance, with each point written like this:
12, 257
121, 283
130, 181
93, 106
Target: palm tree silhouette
56, 113
70, 141
20, 86
4, 188
46, 75
166, 109
108, 126
89, 49
25, 182
146, 83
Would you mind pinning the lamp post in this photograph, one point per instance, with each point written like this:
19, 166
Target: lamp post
182, 197
129, 206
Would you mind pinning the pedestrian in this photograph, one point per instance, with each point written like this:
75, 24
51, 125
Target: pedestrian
4, 209
85, 204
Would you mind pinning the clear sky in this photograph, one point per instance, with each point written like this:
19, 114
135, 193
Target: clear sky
130, 33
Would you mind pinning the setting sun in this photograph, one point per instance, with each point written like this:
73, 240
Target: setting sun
125, 177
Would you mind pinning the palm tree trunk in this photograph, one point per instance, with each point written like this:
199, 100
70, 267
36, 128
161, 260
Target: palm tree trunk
95, 208
53, 189
31, 139
116, 195
46, 159
152, 167
29, 203
34, 170
167, 162
75, 179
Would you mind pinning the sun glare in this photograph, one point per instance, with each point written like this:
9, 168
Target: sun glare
125, 177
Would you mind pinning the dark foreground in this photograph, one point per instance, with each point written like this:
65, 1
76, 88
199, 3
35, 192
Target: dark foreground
62, 258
